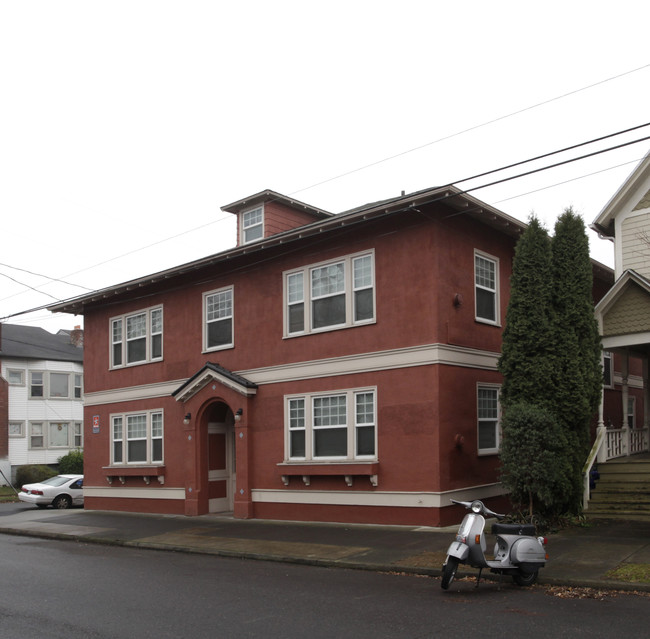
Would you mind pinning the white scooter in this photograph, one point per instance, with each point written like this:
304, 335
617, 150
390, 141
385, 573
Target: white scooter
517, 552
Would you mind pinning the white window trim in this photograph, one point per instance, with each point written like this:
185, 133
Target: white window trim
204, 311
497, 291
22, 376
351, 426
489, 451
349, 290
46, 434
20, 423
149, 438
148, 335
243, 229
47, 386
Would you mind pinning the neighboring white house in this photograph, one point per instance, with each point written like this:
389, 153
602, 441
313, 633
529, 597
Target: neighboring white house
42, 395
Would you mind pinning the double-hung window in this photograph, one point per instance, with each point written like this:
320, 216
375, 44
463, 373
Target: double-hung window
137, 338
332, 426
488, 419
252, 225
331, 295
55, 434
55, 385
218, 318
486, 281
137, 438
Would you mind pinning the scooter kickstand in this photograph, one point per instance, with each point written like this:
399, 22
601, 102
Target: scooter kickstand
478, 579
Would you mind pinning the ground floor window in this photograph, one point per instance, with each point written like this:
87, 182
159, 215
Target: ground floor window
339, 425
137, 438
51, 434
488, 419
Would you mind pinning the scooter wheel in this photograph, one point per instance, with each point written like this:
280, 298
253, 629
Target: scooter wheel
525, 578
449, 572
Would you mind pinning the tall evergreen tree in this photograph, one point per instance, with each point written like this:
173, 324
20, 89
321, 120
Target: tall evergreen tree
526, 354
578, 370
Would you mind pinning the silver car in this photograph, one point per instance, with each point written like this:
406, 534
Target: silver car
62, 491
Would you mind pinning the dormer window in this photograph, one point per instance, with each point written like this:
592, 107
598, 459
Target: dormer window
252, 225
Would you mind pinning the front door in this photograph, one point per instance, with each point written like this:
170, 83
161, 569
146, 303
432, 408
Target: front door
221, 467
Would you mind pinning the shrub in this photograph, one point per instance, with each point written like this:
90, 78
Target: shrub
32, 474
72, 463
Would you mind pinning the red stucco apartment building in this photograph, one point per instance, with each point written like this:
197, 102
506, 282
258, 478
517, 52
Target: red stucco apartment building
327, 368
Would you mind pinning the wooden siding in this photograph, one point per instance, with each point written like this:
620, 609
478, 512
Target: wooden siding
630, 314
635, 244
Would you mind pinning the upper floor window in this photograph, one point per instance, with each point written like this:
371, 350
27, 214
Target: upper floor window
55, 385
16, 377
252, 225
339, 425
137, 438
218, 319
137, 338
486, 280
488, 419
333, 295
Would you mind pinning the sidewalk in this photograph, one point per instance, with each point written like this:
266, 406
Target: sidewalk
578, 557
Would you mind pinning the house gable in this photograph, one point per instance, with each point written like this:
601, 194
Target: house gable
626, 221
630, 312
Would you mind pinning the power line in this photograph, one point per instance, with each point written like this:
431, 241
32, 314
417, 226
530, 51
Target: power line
507, 179
472, 128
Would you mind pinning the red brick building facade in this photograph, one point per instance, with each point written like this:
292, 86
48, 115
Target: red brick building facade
329, 367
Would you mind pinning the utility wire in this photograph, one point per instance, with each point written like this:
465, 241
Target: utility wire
472, 128
443, 197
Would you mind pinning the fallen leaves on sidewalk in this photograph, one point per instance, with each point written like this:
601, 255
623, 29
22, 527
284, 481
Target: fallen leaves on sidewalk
574, 592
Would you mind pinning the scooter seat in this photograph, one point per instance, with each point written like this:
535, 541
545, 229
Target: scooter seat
513, 529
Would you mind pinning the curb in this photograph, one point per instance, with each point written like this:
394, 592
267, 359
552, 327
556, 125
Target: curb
323, 563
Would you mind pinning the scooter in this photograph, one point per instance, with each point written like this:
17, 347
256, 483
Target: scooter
517, 552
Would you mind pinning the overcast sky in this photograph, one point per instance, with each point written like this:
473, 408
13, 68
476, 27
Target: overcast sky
125, 126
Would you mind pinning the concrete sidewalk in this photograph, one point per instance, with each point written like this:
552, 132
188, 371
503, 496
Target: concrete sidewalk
578, 556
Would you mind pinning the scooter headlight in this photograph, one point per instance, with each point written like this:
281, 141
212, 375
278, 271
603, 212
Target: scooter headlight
477, 506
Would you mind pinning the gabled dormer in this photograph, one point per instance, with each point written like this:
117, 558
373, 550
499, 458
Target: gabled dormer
268, 213
625, 220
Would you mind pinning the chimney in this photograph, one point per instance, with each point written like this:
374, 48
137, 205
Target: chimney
77, 336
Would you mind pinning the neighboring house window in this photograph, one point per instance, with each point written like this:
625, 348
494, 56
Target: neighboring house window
16, 377
16, 429
36, 384
341, 425
488, 419
78, 435
252, 225
486, 278
37, 435
608, 371
333, 295
54, 385
137, 338
77, 386
631, 411
52, 434
137, 438
218, 319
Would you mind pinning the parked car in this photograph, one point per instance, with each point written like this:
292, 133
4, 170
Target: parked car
61, 491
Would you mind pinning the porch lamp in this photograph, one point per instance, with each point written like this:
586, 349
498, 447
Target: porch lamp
238, 414
186, 419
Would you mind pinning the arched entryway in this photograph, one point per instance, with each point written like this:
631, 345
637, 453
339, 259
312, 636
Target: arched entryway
220, 454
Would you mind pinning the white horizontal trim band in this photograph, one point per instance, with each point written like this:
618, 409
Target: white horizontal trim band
426, 355
376, 498
134, 493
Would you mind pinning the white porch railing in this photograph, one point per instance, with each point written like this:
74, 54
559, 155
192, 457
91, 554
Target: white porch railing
611, 443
